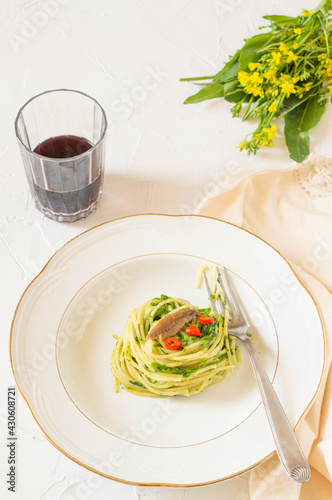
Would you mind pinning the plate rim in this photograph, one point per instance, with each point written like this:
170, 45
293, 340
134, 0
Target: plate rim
158, 484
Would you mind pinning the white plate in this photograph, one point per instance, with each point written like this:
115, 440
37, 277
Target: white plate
85, 342
169, 441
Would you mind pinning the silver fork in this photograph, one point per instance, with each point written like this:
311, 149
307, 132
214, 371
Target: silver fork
287, 446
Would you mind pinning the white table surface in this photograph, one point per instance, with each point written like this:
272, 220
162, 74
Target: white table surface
161, 157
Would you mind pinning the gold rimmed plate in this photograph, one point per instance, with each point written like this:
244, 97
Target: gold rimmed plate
85, 292
84, 343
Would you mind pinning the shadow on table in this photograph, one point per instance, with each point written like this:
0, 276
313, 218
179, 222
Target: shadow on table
124, 196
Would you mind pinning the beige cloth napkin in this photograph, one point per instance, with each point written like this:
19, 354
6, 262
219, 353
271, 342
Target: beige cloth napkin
274, 206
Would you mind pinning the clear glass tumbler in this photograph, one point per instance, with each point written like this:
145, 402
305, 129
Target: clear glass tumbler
61, 135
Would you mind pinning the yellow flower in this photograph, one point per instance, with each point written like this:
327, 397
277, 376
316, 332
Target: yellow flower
295, 46
271, 132
301, 90
291, 57
253, 66
283, 77
251, 83
295, 79
255, 90
323, 58
287, 88
327, 71
255, 78
306, 13
242, 145
276, 56
243, 77
283, 48
273, 107
269, 74
264, 143
298, 31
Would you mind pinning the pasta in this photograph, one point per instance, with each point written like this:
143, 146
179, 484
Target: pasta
146, 367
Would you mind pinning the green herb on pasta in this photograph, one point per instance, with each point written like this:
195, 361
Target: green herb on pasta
173, 348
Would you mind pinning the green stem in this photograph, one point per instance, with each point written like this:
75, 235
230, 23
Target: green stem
280, 100
326, 37
196, 78
247, 113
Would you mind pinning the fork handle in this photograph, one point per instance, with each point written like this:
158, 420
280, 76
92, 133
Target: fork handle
287, 446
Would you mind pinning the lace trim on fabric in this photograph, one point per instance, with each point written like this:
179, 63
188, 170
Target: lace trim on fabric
314, 175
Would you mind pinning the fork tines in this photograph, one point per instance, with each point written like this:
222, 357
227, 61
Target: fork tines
214, 302
232, 301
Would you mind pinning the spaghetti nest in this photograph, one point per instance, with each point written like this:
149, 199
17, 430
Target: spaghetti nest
146, 367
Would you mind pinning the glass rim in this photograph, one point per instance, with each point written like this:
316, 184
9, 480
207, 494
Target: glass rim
62, 160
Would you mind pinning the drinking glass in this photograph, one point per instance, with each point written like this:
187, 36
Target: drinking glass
61, 135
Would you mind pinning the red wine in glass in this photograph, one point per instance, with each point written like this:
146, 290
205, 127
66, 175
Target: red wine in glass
63, 146
69, 200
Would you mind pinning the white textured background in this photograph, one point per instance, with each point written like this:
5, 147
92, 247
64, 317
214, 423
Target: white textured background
161, 157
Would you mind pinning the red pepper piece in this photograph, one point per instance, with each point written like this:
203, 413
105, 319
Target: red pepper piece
172, 343
206, 320
193, 330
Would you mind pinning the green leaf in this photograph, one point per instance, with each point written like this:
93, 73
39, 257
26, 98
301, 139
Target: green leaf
297, 142
297, 123
324, 5
293, 102
249, 52
220, 76
237, 96
309, 113
230, 74
230, 86
281, 20
211, 91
